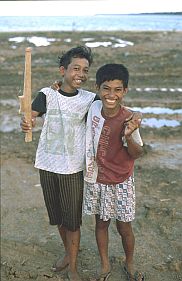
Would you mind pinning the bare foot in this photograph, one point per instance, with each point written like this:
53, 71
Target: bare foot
104, 273
60, 264
73, 276
131, 274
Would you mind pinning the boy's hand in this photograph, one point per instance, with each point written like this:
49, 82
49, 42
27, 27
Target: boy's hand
25, 126
56, 85
132, 123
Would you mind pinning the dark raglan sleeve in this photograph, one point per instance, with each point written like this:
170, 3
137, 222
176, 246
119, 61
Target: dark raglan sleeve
96, 97
39, 103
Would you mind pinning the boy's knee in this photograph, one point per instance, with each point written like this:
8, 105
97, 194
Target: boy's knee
102, 225
124, 228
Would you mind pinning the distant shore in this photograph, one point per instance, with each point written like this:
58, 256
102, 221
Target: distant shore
98, 22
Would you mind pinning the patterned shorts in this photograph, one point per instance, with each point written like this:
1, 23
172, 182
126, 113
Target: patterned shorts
110, 200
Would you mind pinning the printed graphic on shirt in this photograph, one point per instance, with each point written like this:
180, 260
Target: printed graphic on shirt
60, 138
61, 148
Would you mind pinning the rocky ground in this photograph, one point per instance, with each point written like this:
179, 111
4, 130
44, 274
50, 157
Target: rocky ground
29, 245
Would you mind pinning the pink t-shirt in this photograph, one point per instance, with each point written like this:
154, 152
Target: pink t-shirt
114, 162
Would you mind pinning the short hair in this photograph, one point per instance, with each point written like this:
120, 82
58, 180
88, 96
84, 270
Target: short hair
112, 71
77, 52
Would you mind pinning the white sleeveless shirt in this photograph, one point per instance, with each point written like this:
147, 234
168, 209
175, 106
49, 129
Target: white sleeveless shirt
61, 147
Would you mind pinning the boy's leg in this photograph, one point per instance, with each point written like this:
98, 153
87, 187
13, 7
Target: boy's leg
57, 189
50, 187
102, 238
128, 241
62, 263
73, 243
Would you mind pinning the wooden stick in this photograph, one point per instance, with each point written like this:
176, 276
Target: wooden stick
25, 100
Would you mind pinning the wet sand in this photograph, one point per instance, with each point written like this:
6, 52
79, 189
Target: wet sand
29, 245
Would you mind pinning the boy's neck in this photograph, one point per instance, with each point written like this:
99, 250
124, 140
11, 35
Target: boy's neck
64, 93
111, 112
66, 88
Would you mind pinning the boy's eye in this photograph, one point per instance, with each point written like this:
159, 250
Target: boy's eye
105, 88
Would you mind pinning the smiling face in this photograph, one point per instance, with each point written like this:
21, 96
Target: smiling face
111, 94
75, 74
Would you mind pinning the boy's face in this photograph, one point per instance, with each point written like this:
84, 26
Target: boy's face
75, 74
111, 94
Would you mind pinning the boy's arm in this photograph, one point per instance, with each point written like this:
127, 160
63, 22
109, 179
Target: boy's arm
38, 109
39, 104
134, 149
27, 126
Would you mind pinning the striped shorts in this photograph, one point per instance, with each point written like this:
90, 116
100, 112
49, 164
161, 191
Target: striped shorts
110, 200
63, 196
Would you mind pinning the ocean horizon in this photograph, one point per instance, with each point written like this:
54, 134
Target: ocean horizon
131, 22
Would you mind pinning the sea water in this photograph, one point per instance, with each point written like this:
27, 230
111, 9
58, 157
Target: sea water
137, 22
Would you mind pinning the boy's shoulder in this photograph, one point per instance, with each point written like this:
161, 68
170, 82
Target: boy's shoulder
46, 90
96, 105
128, 109
83, 91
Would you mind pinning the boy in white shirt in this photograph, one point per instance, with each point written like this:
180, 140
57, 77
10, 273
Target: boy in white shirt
61, 151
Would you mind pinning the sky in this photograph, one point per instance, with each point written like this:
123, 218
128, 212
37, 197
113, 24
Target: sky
92, 7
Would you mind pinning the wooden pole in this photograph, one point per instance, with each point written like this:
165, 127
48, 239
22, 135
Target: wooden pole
26, 100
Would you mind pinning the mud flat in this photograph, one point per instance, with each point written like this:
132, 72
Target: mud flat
29, 245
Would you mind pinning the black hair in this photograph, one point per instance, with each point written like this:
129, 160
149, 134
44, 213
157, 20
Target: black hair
112, 71
77, 52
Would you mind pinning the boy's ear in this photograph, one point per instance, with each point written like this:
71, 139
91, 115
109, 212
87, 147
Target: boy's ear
97, 87
62, 70
125, 91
